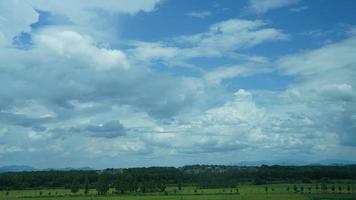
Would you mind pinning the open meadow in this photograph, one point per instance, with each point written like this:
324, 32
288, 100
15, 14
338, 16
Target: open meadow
245, 192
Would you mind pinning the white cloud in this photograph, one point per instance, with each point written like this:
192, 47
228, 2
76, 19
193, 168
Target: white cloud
263, 6
201, 15
76, 47
298, 9
222, 39
327, 86
9, 149
217, 75
337, 56
67, 90
80, 11
233, 34
15, 16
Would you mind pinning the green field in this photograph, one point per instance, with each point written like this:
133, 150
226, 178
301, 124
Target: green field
247, 192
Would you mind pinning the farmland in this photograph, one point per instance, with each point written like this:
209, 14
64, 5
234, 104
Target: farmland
246, 192
198, 182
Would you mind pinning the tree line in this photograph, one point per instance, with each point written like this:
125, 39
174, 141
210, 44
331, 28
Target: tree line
155, 179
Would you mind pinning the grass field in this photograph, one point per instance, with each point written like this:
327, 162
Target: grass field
247, 192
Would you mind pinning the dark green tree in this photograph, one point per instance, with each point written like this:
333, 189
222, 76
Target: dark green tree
143, 187
333, 188
74, 188
86, 186
179, 186
161, 186
122, 185
102, 185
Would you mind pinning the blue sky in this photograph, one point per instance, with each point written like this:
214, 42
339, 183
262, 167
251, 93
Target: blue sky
160, 82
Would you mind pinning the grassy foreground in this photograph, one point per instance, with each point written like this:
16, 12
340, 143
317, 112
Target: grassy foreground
248, 192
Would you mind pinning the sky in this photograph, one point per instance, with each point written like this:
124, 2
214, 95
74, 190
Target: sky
127, 83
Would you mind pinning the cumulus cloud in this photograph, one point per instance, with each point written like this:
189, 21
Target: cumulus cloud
16, 17
75, 47
328, 85
63, 95
80, 11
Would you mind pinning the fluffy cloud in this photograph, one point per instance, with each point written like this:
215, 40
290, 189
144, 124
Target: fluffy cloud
61, 99
75, 47
15, 17
79, 11
327, 87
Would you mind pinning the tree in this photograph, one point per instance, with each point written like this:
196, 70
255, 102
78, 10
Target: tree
295, 188
74, 188
348, 188
161, 186
340, 188
102, 185
333, 188
86, 186
179, 186
288, 189
122, 185
324, 187
259, 181
143, 187
266, 189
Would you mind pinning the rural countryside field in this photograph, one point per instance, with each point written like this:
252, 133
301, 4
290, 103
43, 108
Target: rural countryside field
276, 192
196, 182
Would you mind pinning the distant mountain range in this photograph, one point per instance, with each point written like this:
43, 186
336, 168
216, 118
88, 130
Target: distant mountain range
16, 168
295, 163
24, 168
